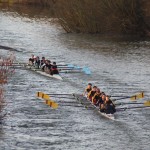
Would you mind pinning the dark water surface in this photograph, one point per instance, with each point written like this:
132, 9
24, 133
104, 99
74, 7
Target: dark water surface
119, 67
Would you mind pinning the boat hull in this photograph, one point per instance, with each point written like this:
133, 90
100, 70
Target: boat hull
39, 71
83, 100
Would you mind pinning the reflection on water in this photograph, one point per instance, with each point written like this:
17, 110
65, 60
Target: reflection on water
28, 11
119, 67
2, 103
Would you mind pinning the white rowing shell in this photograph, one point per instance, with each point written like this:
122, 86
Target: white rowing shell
56, 76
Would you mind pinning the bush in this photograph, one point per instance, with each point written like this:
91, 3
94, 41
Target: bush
5, 71
99, 16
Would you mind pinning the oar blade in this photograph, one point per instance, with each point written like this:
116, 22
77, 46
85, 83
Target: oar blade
40, 94
51, 103
77, 67
147, 103
133, 98
45, 96
138, 96
86, 70
141, 95
47, 99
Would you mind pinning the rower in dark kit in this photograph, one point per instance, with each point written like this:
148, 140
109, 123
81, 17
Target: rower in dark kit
43, 61
31, 60
109, 107
87, 89
37, 62
54, 68
101, 102
48, 67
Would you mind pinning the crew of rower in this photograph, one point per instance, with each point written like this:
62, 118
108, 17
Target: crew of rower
43, 64
99, 99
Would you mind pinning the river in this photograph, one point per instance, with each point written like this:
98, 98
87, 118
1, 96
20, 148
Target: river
119, 66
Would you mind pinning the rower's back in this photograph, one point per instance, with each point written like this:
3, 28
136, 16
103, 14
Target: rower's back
54, 68
31, 60
87, 89
109, 106
109, 109
92, 93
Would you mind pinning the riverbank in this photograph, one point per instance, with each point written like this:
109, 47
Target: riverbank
28, 2
103, 17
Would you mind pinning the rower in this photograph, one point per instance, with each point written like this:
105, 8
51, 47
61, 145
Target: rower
43, 61
54, 68
109, 106
37, 62
101, 99
11, 58
91, 93
31, 60
101, 103
47, 67
96, 97
88, 89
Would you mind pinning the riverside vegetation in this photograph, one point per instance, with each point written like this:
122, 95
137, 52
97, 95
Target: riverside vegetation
5, 72
99, 16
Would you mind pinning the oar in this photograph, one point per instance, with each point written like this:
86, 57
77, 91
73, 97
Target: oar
19, 64
146, 103
51, 103
45, 96
71, 105
47, 99
133, 98
41, 94
63, 97
65, 65
65, 68
70, 71
86, 70
123, 109
59, 94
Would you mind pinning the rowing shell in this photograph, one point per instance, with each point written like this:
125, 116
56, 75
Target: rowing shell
85, 101
39, 71
56, 76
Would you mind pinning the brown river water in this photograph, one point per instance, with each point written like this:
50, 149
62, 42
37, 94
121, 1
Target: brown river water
119, 66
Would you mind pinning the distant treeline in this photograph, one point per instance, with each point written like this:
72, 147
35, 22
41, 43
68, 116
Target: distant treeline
99, 16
